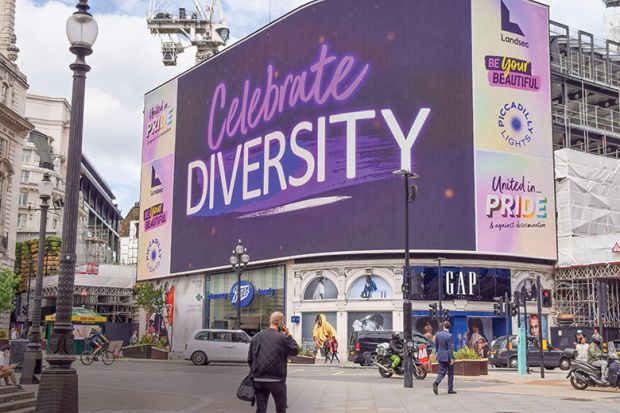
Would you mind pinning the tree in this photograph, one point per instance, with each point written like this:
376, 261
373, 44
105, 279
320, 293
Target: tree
149, 299
8, 288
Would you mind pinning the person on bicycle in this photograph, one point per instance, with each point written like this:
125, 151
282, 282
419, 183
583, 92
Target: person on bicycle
97, 340
396, 346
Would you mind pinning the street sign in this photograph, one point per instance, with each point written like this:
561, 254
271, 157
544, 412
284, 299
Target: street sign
616, 248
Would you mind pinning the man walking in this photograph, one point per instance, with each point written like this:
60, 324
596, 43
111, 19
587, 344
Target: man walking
268, 358
445, 356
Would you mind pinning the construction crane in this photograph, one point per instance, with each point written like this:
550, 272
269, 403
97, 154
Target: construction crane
178, 28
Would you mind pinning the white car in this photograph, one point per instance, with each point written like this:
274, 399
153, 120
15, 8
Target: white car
211, 345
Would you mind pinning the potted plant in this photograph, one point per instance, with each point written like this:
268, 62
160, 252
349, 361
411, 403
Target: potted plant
466, 363
149, 299
303, 357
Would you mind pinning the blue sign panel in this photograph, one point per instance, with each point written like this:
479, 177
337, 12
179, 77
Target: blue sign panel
247, 294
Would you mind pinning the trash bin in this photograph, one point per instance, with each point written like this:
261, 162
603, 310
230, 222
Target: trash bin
18, 349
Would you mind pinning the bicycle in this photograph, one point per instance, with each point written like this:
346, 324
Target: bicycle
107, 357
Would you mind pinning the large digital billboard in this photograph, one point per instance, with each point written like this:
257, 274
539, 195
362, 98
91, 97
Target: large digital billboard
288, 139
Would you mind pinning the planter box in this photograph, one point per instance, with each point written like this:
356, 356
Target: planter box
138, 352
301, 359
467, 368
159, 354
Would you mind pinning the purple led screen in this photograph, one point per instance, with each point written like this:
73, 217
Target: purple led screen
289, 139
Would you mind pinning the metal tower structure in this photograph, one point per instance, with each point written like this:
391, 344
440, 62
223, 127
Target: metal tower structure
178, 28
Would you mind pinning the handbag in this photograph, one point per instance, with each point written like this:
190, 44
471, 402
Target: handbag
246, 390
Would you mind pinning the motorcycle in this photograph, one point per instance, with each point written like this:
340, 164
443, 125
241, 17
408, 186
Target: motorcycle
384, 362
583, 375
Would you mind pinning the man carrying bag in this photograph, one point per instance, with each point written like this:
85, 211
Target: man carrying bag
268, 358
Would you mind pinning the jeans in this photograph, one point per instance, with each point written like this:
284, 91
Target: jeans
335, 356
443, 366
276, 389
603, 366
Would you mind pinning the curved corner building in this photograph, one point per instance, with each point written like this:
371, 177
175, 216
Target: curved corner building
288, 140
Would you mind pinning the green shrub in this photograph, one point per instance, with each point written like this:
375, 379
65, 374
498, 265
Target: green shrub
466, 353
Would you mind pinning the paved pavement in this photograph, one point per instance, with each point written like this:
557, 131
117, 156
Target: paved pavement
163, 387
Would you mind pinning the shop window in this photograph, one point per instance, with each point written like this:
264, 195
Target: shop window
321, 288
370, 286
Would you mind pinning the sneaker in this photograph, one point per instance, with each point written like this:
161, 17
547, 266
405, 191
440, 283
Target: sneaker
435, 389
451, 392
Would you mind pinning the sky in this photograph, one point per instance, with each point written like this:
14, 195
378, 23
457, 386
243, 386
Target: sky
126, 63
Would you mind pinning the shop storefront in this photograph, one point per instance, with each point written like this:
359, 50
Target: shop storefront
341, 298
262, 292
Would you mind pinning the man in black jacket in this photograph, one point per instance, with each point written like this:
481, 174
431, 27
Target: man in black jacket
268, 358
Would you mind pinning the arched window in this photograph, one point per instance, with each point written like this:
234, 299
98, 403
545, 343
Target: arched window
370, 286
321, 288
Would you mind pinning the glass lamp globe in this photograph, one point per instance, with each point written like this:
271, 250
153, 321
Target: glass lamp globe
245, 258
234, 260
46, 187
82, 29
239, 249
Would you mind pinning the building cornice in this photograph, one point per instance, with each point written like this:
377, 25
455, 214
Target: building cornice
18, 124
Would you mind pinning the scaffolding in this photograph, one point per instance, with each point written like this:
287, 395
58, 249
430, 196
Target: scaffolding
589, 296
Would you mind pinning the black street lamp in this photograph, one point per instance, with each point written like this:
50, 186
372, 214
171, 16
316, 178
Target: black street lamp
58, 391
33, 356
239, 260
411, 191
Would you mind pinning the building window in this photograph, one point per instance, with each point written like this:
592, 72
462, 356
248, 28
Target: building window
21, 221
25, 177
23, 199
5, 93
3, 148
26, 156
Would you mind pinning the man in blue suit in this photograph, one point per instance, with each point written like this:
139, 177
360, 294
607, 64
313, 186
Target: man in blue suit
444, 343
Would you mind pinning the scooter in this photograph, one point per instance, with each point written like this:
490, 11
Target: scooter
384, 362
583, 375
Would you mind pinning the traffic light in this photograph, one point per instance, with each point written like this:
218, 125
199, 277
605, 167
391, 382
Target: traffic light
513, 309
497, 306
446, 313
432, 311
546, 298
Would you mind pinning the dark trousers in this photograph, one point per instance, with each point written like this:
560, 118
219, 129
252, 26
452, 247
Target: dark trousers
276, 389
443, 366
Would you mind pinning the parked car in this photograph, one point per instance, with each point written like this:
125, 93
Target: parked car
209, 345
363, 344
552, 357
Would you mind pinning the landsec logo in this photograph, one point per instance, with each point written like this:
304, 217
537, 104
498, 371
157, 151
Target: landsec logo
515, 124
511, 27
156, 186
153, 255
512, 73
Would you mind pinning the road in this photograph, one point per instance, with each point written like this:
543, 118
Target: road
163, 387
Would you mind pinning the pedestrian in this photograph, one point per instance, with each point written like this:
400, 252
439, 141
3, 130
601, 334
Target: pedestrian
334, 347
134, 338
444, 343
7, 371
582, 349
268, 358
327, 348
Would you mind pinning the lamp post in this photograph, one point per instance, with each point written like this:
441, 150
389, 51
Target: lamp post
239, 260
58, 391
410, 194
440, 290
32, 358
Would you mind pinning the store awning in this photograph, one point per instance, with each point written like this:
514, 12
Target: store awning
81, 315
